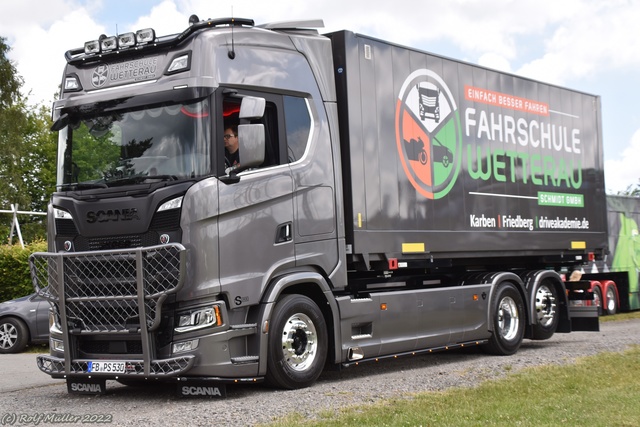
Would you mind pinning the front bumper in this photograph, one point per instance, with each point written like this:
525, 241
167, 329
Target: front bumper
135, 369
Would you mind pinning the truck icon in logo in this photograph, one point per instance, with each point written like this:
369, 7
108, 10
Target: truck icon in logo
99, 76
428, 101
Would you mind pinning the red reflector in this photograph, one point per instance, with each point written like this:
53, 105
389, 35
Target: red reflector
592, 256
393, 263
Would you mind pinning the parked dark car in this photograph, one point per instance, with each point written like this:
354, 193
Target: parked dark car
23, 321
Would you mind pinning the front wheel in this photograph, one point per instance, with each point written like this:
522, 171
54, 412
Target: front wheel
297, 343
508, 320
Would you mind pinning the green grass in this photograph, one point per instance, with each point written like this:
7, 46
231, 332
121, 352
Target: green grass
601, 390
621, 316
37, 349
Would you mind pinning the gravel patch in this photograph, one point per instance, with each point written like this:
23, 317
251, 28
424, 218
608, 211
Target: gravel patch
248, 405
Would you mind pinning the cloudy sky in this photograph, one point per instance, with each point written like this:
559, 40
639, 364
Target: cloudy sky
589, 45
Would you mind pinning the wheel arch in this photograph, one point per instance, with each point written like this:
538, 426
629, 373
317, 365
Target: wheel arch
497, 278
312, 285
532, 279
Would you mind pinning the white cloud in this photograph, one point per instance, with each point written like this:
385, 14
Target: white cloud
596, 38
165, 18
622, 172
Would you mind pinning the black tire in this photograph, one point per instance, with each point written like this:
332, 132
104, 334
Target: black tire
508, 321
597, 300
14, 335
547, 313
612, 300
297, 343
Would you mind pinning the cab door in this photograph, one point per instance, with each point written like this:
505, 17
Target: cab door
255, 221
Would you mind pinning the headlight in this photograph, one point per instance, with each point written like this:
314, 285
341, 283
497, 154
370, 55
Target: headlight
54, 324
171, 204
60, 214
198, 319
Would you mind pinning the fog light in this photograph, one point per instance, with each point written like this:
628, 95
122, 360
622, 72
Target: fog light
181, 347
56, 345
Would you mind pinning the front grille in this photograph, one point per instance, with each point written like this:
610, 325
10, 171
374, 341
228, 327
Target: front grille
165, 221
66, 227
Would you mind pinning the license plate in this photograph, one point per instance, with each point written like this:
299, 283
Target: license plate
107, 366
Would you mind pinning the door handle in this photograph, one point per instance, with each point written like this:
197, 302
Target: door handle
283, 233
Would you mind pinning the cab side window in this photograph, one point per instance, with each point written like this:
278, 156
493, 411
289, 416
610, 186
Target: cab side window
297, 125
287, 125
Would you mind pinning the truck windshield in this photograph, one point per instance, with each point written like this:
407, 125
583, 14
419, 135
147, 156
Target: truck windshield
166, 142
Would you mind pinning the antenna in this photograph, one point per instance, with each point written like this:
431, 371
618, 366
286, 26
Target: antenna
232, 53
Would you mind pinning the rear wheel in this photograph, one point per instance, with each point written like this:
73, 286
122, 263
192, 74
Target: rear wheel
297, 343
597, 299
508, 320
612, 300
547, 315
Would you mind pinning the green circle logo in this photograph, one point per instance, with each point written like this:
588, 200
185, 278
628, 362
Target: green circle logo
428, 134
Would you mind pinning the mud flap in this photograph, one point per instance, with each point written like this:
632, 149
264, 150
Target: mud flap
582, 311
86, 386
201, 389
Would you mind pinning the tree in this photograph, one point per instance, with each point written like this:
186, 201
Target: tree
10, 82
632, 190
27, 153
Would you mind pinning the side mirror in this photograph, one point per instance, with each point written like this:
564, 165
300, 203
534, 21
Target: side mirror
252, 108
251, 137
251, 143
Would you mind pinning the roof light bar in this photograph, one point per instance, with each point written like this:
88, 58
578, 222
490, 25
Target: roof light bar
145, 38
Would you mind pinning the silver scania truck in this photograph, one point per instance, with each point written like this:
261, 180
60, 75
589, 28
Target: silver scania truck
387, 202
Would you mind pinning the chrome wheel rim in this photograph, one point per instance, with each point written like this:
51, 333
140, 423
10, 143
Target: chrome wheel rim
299, 342
545, 306
508, 319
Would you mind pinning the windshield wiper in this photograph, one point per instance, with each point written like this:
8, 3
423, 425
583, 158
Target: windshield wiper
82, 186
141, 179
